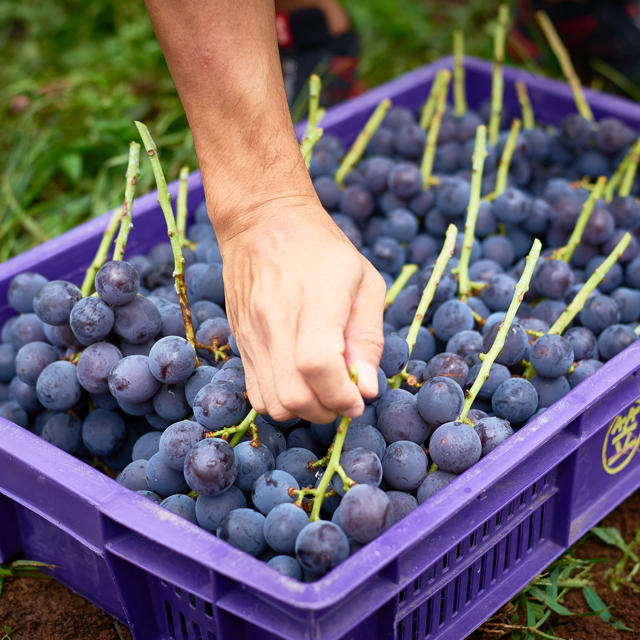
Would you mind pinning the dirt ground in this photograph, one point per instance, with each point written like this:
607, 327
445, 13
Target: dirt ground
44, 610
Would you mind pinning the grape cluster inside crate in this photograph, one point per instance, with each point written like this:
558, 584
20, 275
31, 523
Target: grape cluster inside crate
436, 574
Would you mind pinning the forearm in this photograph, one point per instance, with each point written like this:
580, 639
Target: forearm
223, 57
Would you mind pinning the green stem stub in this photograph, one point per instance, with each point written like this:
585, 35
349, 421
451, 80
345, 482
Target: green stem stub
360, 144
489, 358
479, 155
505, 159
528, 120
497, 81
399, 283
133, 168
630, 172
459, 92
426, 166
429, 107
308, 142
181, 218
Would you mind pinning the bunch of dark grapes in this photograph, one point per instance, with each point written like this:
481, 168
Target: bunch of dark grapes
113, 377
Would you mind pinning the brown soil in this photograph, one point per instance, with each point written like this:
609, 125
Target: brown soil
45, 610
624, 603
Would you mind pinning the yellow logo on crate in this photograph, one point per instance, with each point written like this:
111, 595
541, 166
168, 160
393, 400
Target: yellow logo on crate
622, 440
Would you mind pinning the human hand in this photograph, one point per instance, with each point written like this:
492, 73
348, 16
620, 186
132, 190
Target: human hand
304, 306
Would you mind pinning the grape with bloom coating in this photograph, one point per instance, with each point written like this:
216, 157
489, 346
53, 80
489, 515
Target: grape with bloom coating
454, 447
321, 546
210, 467
365, 512
117, 282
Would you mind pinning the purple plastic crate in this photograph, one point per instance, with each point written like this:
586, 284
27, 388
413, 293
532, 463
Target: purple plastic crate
437, 574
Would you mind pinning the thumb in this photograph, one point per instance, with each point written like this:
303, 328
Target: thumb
363, 334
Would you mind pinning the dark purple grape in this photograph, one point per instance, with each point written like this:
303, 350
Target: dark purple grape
251, 463
454, 447
60, 336
212, 510
272, 488
409, 141
177, 440
203, 310
22, 330
376, 173
449, 365
22, 290
499, 251
57, 386
612, 135
133, 476
219, 404
465, 343
91, 320
31, 359
244, 529
482, 270
170, 404
451, 317
7, 362
511, 206
498, 373
356, 202
405, 180
492, 431
300, 438
321, 546
162, 479
626, 212
400, 224
515, 344
271, 437
452, 196
583, 343
54, 301
282, 526
362, 465
24, 394
117, 282
209, 467
439, 400
599, 312
286, 565
404, 307
137, 321
550, 390
549, 310
328, 192
381, 142
551, 356
364, 436
425, 346
404, 465
365, 512
615, 339
433, 483
130, 380
632, 250
583, 370
103, 432
387, 255
599, 227
200, 377
208, 284
295, 461
421, 248
12, 411
182, 506
172, 360
63, 430
612, 279
129, 349
401, 505
146, 445
399, 419
395, 354
515, 400
498, 292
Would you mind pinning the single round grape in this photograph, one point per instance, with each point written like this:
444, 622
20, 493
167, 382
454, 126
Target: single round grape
515, 400
409, 141
600, 226
133, 476
32, 358
449, 365
439, 400
140, 409
498, 250
146, 445
270, 436
117, 282
422, 248
628, 301
498, 373
453, 196
583, 370
365, 512
169, 403
63, 430
321, 546
205, 310
434, 482
404, 465
511, 206
366, 436
482, 270
450, 318
551, 355
182, 506
498, 292
401, 505
282, 526
395, 354
130, 380
251, 463
12, 411
57, 386
400, 420
128, 349
24, 394
361, 465
300, 437
137, 321
376, 172
272, 488
515, 344
286, 565
233, 376
208, 285
177, 440
404, 307
219, 404
583, 343
328, 192
103, 401
356, 202
492, 431
172, 360
244, 529
24, 329
615, 339
22, 290
103, 432
210, 467
454, 447
54, 301
91, 320
550, 390
387, 254
549, 310
150, 495
212, 510
598, 313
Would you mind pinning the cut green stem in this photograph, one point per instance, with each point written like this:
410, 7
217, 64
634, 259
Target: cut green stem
565, 253
181, 214
315, 87
426, 167
528, 121
164, 200
563, 58
429, 107
578, 302
505, 159
489, 358
133, 167
399, 283
360, 144
497, 81
459, 91
479, 155
308, 142
630, 172
102, 252
616, 178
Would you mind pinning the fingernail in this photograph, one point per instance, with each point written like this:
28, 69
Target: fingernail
354, 412
368, 379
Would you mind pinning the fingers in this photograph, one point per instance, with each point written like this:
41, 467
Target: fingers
364, 339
